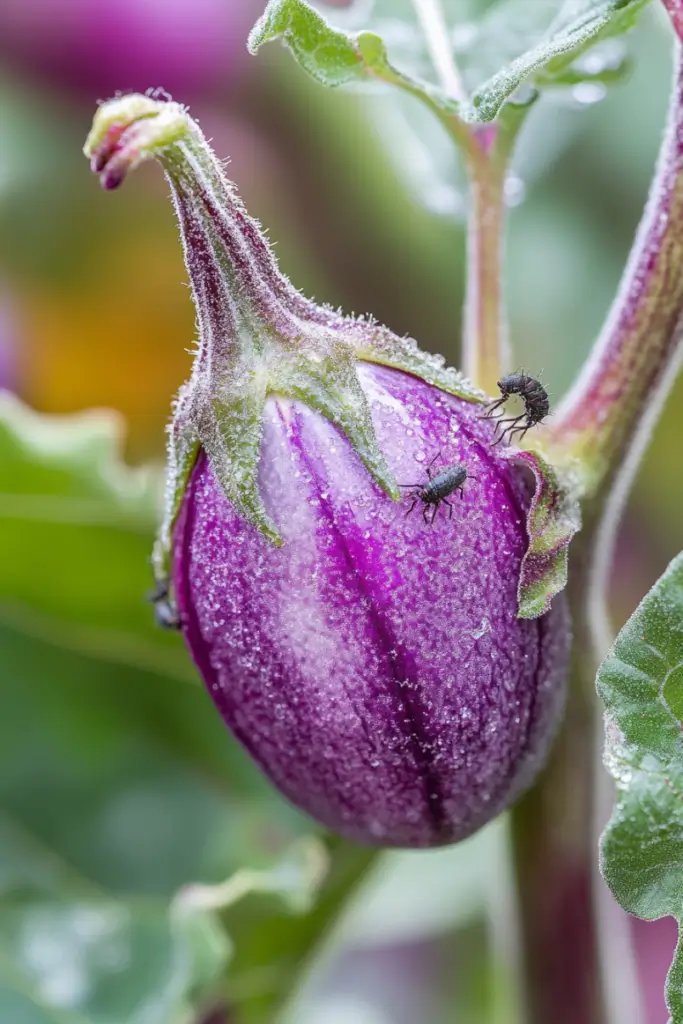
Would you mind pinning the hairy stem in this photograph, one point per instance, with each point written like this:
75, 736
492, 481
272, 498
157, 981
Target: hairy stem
579, 959
485, 355
605, 422
577, 942
555, 852
597, 420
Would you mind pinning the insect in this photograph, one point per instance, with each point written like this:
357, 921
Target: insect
165, 611
438, 489
536, 404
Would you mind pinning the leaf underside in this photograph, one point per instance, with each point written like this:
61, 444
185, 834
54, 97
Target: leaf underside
506, 54
538, 42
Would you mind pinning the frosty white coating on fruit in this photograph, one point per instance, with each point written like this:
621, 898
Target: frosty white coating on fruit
375, 668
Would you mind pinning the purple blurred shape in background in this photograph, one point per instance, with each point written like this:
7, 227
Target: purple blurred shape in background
101, 46
654, 944
8, 345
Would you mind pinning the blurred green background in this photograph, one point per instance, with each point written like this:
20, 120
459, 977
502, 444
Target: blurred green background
118, 783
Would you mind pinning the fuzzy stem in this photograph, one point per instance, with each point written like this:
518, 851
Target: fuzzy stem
571, 941
597, 420
485, 350
579, 958
577, 943
555, 851
605, 422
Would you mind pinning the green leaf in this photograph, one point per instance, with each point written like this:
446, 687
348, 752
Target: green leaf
100, 960
93, 807
554, 517
640, 682
327, 55
101, 823
139, 962
458, 58
335, 56
76, 529
555, 58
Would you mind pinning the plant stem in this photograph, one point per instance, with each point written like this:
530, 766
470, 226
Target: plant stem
639, 341
435, 32
577, 946
579, 962
485, 352
283, 947
555, 851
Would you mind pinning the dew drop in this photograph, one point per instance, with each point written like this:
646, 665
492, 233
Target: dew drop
515, 190
463, 36
587, 93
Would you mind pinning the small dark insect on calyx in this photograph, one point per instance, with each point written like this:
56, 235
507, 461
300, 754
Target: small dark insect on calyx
165, 611
536, 405
438, 488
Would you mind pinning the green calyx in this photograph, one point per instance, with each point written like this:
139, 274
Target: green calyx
223, 414
258, 336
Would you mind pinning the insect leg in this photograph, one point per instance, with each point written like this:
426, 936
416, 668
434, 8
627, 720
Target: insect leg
165, 611
518, 430
450, 508
513, 421
509, 419
490, 409
500, 438
415, 500
160, 591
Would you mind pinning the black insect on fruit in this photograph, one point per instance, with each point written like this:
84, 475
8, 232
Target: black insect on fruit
536, 405
165, 612
438, 489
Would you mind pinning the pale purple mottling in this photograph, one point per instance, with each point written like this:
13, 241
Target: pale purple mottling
373, 665
9, 347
